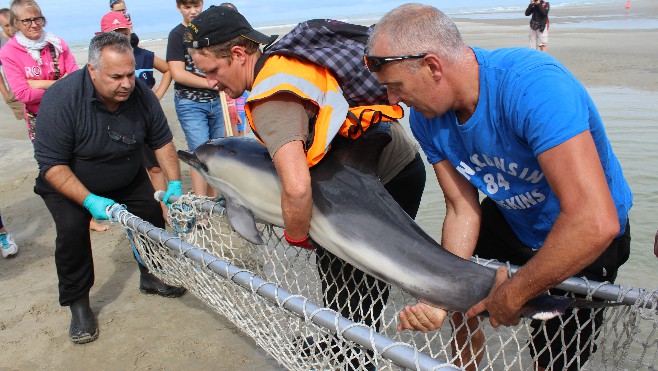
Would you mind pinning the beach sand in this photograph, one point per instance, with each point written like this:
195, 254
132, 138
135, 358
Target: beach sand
146, 332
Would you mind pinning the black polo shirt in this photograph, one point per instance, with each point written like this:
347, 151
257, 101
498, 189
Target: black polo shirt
102, 147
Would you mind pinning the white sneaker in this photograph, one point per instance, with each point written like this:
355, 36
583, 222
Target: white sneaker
9, 246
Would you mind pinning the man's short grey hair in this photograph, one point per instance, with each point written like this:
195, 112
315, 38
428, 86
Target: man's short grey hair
112, 40
416, 28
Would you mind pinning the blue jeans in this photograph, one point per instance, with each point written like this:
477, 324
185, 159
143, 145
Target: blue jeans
201, 121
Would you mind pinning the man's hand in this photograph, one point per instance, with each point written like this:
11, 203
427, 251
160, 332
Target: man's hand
97, 206
499, 303
421, 317
173, 189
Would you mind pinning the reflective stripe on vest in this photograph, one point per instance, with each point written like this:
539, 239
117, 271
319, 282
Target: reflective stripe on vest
315, 83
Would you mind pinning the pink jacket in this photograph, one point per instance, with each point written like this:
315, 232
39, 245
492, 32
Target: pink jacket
20, 67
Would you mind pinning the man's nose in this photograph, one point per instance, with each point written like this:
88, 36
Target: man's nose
392, 97
126, 82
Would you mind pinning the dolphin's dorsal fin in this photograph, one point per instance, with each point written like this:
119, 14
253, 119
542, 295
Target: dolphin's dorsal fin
363, 153
242, 221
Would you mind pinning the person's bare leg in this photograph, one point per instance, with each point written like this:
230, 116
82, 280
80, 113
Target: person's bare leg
199, 184
159, 182
468, 342
211, 192
543, 48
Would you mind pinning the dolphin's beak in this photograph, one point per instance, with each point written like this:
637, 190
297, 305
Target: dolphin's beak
191, 159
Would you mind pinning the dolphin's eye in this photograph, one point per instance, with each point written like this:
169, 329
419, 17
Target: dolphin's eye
233, 152
220, 147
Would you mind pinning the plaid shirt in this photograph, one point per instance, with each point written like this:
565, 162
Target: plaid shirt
339, 47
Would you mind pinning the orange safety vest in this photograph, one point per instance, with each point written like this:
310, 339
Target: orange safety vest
316, 84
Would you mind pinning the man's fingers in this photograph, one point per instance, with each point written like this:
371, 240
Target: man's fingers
408, 321
477, 309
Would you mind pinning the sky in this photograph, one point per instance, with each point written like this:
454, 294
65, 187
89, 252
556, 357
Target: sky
76, 21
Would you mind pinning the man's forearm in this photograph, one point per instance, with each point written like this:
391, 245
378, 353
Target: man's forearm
168, 161
460, 233
297, 215
65, 182
571, 246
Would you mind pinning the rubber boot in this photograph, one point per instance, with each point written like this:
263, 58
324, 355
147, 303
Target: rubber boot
83, 322
152, 285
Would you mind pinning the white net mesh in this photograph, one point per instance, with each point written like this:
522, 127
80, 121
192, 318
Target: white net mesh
290, 301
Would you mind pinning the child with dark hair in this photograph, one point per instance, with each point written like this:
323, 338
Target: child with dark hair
198, 108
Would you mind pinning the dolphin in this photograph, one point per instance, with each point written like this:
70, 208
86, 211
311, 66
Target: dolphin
354, 217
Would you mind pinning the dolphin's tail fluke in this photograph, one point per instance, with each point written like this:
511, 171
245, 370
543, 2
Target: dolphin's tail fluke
191, 159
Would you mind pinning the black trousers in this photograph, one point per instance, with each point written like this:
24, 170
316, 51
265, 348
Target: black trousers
73, 256
498, 241
351, 292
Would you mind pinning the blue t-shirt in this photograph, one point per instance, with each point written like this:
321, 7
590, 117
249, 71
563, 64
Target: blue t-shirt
528, 103
144, 65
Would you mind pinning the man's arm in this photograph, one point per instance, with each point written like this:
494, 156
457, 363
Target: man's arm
586, 225
461, 228
528, 10
461, 225
168, 161
296, 196
61, 178
282, 123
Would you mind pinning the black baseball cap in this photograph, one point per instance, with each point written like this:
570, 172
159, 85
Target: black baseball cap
219, 24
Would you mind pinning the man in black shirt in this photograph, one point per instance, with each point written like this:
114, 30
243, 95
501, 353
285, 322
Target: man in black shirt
538, 23
92, 126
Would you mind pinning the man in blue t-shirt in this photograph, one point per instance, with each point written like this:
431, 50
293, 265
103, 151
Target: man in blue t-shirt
515, 125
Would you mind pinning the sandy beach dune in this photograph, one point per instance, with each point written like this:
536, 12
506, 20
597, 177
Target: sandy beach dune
146, 332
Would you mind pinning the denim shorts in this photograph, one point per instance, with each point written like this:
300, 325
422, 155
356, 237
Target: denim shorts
201, 121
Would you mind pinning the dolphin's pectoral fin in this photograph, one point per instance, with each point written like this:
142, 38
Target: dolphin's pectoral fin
242, 221
545, 307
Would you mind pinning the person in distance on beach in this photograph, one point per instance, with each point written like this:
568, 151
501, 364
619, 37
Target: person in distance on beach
515, 125
89, 159
539, 24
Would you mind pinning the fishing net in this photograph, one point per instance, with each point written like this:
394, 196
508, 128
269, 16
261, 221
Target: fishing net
309, 310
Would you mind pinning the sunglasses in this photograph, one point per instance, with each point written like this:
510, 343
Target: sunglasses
374, 64
27, 22
121, 138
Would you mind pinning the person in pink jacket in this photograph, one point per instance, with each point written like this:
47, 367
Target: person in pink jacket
34, 58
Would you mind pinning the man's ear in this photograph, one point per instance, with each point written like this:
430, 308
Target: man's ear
91, 70
238, 53
434, 65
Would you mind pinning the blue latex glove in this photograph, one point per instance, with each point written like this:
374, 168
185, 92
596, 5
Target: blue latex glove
97, 206
174, 188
